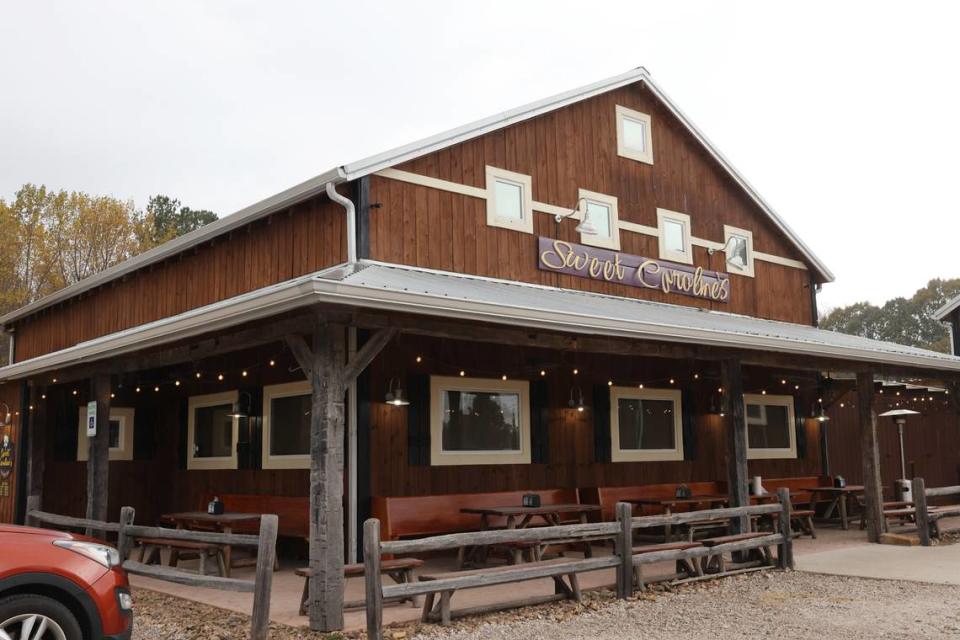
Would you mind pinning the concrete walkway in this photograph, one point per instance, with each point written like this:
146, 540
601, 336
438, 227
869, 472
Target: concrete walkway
936, 565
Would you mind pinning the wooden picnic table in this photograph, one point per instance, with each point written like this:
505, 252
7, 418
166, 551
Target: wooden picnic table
519, 517
840, 498
670, 505
223, 522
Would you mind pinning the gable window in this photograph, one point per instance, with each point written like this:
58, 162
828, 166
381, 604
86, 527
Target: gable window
634, 139
739, 250
601, 211
121, 434
479, 421
645, 424
509, 200
286, 425
212, 431
771, 426
674, 233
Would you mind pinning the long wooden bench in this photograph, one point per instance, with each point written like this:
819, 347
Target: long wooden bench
441, 610
716, 563
150, 553
684, 566
400, 571
608, 497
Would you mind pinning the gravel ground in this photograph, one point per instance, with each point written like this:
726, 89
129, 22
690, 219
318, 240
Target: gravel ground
772, 605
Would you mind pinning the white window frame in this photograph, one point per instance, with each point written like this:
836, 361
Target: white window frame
441, 384
525, 182
646, 156
124, 416
270, 393
211, 400
645, 455
606, 242
772, 400
729, 232
681, 218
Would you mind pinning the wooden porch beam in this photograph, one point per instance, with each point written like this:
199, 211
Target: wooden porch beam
98, 459
302, 353
870, 458
731, 375
370, 350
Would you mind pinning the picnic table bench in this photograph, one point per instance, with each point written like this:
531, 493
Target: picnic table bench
400, 571
684, 567
715, 563
150, 553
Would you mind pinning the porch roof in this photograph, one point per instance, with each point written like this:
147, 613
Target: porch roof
400, 288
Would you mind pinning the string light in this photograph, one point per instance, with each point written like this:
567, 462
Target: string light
112, 396
463, 373
273, 363
54, 381
177, 383
244, 373
671, 380
576, 371
641, 385
542, 373
696, 376
609, 383
74, 392
138, 389
764, 392
198, 375
503, 378
220, 377
156, 389
43, 396
419, 359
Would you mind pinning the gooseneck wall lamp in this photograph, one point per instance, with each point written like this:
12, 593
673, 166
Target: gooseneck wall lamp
585, 227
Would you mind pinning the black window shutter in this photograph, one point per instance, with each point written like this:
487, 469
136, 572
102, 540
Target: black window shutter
65, 439
539, 423
144, 434
418, 420
800, 423
601, 423
687, 411
182, 417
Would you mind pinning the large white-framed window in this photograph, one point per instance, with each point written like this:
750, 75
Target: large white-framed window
121, 434
601, 211
674, 232
286, 425
634, 135
739, 250
509, 200
771, 426
479, 421
212, 433
646, 424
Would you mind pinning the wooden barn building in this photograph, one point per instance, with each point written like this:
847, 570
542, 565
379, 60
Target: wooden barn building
576, 294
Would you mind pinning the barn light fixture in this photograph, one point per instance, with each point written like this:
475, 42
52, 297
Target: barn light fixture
241, 409
395, 394
5, 415
585, 227
576, 399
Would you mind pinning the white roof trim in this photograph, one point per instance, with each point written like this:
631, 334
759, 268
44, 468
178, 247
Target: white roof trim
449, 295
944, 311
407, 152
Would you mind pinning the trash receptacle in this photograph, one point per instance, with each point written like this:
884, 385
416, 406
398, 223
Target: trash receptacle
903, 490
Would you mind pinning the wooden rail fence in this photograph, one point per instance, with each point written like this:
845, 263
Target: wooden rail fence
928, 517
623, 559
127, 532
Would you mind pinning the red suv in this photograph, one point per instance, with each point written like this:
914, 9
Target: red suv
59, 586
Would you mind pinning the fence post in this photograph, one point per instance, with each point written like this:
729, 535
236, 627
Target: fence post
266, 556
371, 572
625, 550
127, 515
33, 504
920, 513
785, 552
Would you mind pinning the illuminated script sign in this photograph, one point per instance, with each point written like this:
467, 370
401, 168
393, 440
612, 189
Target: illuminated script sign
6, 456
635, 271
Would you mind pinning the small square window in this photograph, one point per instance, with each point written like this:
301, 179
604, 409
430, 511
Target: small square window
739, 250
212, 432
770, 426
646, 424
674, 232
478, 421
120, 436
286, 425
509, 200
600, 210
634, 140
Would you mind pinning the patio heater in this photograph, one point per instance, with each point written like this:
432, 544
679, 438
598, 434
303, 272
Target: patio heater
901, 486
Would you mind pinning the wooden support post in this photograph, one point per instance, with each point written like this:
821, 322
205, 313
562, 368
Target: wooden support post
371, 572
98, 460
33, 504
127, 514
263, 583
870, 456
785, 553
731, 376
37, 443
625, 550
326, 478
921, 514
824, 449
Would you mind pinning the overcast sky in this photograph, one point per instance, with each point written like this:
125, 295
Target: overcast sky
844, 116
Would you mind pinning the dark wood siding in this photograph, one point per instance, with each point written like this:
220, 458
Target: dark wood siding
285, 245
575, 147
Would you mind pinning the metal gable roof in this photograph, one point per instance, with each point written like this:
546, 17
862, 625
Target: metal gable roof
944, 311
399, 155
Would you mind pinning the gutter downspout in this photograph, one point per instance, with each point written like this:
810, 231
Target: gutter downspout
347, 204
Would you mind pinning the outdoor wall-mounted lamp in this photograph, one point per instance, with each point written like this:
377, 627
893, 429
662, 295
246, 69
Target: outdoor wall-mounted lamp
585, 227
576, 399
395, 394
239, 409
822, 416
6, 417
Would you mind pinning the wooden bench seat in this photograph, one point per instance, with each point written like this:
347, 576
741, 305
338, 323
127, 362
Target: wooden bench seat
182, 550
684, 567
400, 571
715, 563
804, 520
500, 575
